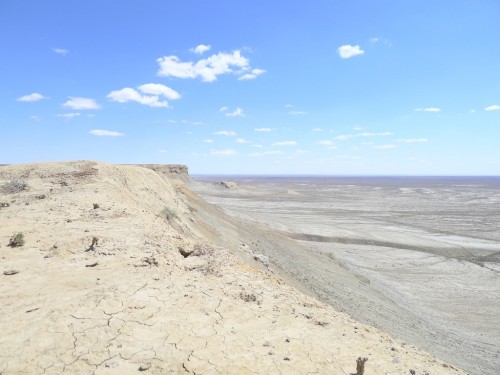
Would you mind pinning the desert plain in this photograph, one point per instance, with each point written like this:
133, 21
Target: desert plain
124, 269
418, 257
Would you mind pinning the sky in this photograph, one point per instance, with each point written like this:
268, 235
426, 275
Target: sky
361, 87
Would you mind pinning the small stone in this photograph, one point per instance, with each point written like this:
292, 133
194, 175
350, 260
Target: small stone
10, 272
96, 205
145, 367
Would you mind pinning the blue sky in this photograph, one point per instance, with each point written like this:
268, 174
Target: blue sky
319, 87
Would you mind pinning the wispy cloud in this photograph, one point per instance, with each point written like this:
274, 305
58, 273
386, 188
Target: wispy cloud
34, 97
285, 143
263, 130
252, 75
69, 116
225, 152
347, 51
326, 142
297, 113
413, 140
266, 153
148, 94
61, 51
201, 49
385, 147
208, 140
35, 118
241, 141
428, 109
81, 103
317, 130
345, 137
238, 112
224, 109
106, 133
228, 133
493, 107
207, 69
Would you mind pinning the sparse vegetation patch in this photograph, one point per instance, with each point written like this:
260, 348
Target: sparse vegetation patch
14, 186
168, 214
17, 240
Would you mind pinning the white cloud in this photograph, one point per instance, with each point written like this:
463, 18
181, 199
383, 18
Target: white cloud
288, 105
385, 147
257, 146
238, 112
241, 141
207, 69
345, 137
347, 51
493, 107
201, 49
263, 130
149, 95
326, 142
413, 140
374, 40
366, 134
34, 97
106, 133
81, 103
69, 116
208, 141
297, 113
61, 51
226, 152
317, 130
428, 109
228, 133
285, 143
35, 118
159, 89
266, 153
162, 151
254, 74
224, 109
357, 128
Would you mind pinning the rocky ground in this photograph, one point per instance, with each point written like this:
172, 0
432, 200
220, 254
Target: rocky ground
122, 269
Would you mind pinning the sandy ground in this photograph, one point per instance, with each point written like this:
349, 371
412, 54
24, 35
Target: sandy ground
377, 255
156, 293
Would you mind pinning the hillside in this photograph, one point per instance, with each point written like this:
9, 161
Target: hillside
124, 270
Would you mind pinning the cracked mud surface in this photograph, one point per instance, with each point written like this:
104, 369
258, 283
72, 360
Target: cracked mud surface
144, 307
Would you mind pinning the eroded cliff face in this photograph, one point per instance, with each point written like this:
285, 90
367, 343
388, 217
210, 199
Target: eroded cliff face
175, 169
